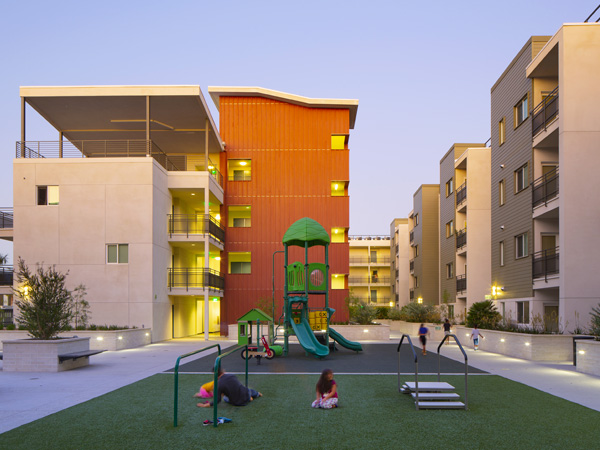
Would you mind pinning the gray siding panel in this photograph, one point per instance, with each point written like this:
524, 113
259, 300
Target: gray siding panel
447, 209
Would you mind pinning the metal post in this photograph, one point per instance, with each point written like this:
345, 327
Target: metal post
206, 266
148, 151
60, 144
23, 136
206, 145
273, 298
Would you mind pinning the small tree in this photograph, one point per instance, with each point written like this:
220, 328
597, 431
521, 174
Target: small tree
484, 315
3, 259
81, 307
595, 322
44, 302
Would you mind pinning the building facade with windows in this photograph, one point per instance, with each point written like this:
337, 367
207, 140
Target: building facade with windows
464, 256
399, 263
424, 243
370, 280
131, 198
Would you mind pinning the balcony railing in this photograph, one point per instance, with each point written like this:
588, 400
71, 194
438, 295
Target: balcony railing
461, 283
545, 263
367, 260
111, 149
6, 316
411, 294
412, 236
190, 278
196, 224
461, 238
369, 280
359, 260
369, 238
545, 112
545, 188
6, 218
461, 193
412, 265
6, 275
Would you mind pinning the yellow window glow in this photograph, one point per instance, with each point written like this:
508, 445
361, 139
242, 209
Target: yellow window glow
338, 142
338, 235
338, 281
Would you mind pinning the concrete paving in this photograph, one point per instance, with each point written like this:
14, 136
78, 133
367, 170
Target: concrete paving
25, 397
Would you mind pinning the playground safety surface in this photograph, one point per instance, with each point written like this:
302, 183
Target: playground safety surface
375, 359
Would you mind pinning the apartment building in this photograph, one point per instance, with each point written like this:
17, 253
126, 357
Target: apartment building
369, 279
465, 266
399, 264
424, 242
287, 157
131, 197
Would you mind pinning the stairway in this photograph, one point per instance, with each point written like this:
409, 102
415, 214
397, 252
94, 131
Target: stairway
433, 395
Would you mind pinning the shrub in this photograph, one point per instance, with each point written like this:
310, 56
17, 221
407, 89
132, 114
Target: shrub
361, 313
394, 314
595, 322
418, 312
44, 302
11, 327
81, 307
382, 312
484, 315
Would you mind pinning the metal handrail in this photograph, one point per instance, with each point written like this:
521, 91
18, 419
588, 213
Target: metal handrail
176, 376
545, 262
461, 238
544, 112
369, 237
371, 280
7, 218
216, 379
195, 278
545, 188
412, 347
195, 224
466, 365
461, 193
6, 275
461, 283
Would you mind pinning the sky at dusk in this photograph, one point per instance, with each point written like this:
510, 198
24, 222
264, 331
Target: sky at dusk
422, 71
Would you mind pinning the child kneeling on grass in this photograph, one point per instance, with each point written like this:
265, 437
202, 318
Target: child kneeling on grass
232, 391
206, 391
327, 396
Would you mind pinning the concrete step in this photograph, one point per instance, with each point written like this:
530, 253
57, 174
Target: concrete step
430, 386
436, 395
441, 405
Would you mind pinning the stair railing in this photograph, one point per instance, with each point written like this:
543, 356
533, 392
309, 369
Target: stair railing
466, 364
412, 347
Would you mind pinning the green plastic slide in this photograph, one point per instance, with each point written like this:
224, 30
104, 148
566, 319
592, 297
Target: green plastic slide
343, 341
307, 339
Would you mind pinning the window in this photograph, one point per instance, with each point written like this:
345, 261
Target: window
449, 187
117, 253
521, 111
502, 131
416, 251
521, 178
338, 235
239, 169
416, 220
521, 246
501, 192
416, 282
240, 262
450, 229
339, 188
450, 270
523, 312
240, 216
338, 141
501, 252
338, 281
47, 195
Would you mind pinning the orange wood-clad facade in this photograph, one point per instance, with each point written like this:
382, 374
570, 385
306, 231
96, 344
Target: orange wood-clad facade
292, 167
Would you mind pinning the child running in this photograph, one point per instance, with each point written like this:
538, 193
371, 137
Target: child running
475, 336
327, 396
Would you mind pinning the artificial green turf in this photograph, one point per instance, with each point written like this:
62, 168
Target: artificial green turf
502, 415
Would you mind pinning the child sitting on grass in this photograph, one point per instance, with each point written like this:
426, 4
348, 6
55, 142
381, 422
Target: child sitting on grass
327, 396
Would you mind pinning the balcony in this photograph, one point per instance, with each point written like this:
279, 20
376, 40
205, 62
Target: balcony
411, 264
461, 194
113, 149
359, 261
545, 263
195, 279
412, 236
545, 188
461, 283
411, 294
6, 316
369, 280
195, 224
380, 260
461, 238
6, 275
545, 113
6, 218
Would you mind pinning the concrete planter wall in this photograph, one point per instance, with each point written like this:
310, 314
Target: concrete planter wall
436, 330
533, 347
99, 340
589, 360
350, 332
31, 355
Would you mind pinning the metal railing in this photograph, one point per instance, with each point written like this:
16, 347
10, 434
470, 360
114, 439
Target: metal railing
7, 218
411, 265
411, 294
415, 359
6, 275
545, 188
369, 280
461, 193
359, 260
412, 236
545, 262
447, 337
125, 148
195, 224
191, 278
243, 177
369, 238
461, 238
461, 283
544, 112
6, 316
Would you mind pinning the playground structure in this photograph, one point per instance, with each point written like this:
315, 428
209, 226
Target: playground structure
260, 348
303, 281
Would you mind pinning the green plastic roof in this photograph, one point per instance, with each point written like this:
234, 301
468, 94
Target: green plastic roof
256, 314
306, 230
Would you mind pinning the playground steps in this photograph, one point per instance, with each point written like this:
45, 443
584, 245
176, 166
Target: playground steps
434, 395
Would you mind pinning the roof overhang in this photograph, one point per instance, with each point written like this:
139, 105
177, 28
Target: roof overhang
235, 91
178, 114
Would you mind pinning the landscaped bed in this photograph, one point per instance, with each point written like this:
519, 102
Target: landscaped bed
502, 415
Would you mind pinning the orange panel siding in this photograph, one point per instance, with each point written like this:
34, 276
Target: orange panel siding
292, 170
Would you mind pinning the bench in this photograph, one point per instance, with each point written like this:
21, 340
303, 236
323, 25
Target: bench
77, 355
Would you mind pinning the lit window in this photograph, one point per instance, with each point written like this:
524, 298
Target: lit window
450, 270
521, 178
117, 253
449, 228
521, 111
338, 281
449, 187
239, 169
501, 192
501, 252
47, 195
521, 246
502, 131
339, 188
240, 262
338, 142
239, 216
338, 235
